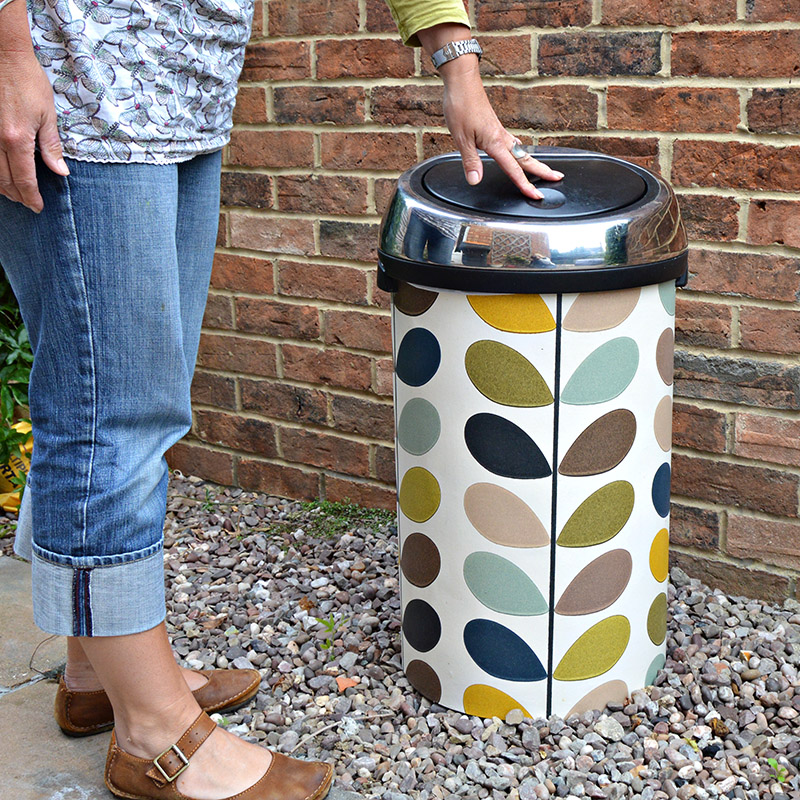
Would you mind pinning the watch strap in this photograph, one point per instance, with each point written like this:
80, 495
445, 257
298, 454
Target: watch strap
454, 50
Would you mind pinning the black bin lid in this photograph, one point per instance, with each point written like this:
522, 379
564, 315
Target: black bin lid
590, 186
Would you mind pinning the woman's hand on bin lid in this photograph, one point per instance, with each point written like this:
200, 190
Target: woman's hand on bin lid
472, 120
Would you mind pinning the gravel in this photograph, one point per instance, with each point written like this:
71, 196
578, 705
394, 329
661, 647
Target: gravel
255, 581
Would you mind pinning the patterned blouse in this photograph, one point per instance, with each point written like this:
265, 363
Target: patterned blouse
155, 80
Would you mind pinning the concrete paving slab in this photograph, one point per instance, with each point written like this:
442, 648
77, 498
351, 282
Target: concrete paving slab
20, 637
39, 762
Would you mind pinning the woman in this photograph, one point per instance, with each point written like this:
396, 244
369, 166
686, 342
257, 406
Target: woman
112, 117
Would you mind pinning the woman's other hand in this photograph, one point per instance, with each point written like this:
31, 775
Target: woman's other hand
471, 118
27, 112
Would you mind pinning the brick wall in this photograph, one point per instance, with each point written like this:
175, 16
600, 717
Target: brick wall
293, 389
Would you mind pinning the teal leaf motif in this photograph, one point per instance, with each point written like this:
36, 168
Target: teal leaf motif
604, 374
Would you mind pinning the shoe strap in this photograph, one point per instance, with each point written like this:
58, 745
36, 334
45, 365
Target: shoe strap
175, 759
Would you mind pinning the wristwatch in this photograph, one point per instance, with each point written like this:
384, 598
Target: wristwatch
455, 49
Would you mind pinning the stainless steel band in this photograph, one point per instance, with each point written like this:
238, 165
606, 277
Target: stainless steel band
455, 49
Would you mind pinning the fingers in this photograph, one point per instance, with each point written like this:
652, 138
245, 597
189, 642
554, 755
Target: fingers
50, 146
506, 161
540, 170
7, 188
22, 169
473, 166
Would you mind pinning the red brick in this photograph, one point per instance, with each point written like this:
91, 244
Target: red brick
359, 415
548, 108
503, 15
436, 144
408, 105
251, 105
236, 432
222, 230
379, 150
237, 354
281, 400
643, 152
772, 11
329, 367
323, 282
710, 217
774, 222
668, 12
384, 377
326, 451
258, 18
365, 494
737, 380
242, 274
741, 54
277, 61
384, 191
699, 428
218, 313
380, 298
384, 465
740, 165
584, 53
672, 108
278, 479
774, 111
737, 485
272, 318
766, 540
193, 459
358, 330
748, 274
357, 241
214, 390
768, 438
379, 17
694, 527
299, 17
315, 104
327, 194
703, 324
281, 148
272, 234
770, 330
364, 58
732, 578
248, 189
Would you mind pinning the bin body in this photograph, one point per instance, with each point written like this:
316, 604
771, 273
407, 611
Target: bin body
533, 453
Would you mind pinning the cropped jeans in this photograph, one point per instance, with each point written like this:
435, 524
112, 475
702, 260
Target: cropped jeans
111, 279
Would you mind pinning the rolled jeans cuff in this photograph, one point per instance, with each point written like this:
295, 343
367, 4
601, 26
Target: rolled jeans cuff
101, 600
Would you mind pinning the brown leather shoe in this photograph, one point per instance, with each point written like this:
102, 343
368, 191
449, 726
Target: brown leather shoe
154, 779
87, 713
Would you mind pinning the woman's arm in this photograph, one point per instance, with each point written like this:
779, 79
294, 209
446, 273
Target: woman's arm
27, 111
471, 118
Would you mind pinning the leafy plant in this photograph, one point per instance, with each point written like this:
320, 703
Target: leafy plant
15, 369
780, 772
331, 625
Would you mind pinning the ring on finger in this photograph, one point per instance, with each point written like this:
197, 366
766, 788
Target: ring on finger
519, 152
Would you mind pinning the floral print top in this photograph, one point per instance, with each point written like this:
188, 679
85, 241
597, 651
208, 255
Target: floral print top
141, 80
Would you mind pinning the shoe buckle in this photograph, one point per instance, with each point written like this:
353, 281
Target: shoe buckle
179, 753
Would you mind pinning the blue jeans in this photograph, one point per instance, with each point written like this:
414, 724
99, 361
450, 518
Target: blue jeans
112, 279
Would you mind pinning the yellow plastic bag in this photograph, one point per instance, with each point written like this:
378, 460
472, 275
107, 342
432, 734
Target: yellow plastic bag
17, 467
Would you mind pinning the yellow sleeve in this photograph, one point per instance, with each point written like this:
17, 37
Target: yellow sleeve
414, 15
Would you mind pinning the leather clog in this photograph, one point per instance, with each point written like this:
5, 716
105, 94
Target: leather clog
87, 713
155, 779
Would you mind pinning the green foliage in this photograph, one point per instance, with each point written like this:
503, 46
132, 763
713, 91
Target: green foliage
336, 518
780, 772
331, 625
15, 369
